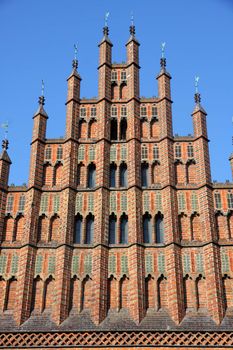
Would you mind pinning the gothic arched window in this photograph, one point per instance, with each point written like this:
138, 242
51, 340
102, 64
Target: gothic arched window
123, 175
147, 229
123, 129
89, 229
124, 229
91, 176
159, 228
112, 229
113, 129
145, 174
78, 229
112, 175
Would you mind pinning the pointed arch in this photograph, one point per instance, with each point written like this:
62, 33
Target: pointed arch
86, 298
112, 293
113, 129
147, 228
180, 176
150, 292
8, 228
89, 234
112, 229
189, 295
2, 294
11, 294
78, 229
154, 128
92, 132
19, 228
37, 294
54, 228
112, 175
159, 228
124, 292
80, 175
58, 174
162, 292
43, 228
74, 302
49, 293
145, 174
114, 91
124, 229
191, 172
47, 174
221, 225
144, 128
228, 292
82, 129
156, 173
123, 90
230, 224
201, 289
196, 231
123, 175
184, 229
91, 175
123, 129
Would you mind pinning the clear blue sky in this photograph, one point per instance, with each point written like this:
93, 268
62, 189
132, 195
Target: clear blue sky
37, 38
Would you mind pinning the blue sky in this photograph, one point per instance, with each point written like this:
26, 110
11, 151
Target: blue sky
37, 38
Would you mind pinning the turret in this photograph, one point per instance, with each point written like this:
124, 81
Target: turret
73, 101
132, 47
37, 144
199, 117
164, 98
5, 163
105, 61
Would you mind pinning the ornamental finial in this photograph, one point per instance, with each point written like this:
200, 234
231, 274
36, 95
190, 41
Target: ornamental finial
5, 126
5, 144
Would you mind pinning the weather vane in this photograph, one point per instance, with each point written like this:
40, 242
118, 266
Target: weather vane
75, 51
5, 126
196, 83
163, 49
42, 88
132, 18
106, 18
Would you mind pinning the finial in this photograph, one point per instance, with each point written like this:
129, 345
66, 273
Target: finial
197, 96
163, 59
75, 61
41, 98
132, 26
5, 144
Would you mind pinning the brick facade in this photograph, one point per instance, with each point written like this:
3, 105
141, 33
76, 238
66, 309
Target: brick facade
120, 236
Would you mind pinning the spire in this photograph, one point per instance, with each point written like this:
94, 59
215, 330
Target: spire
197, 97
41, 102
4, 154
